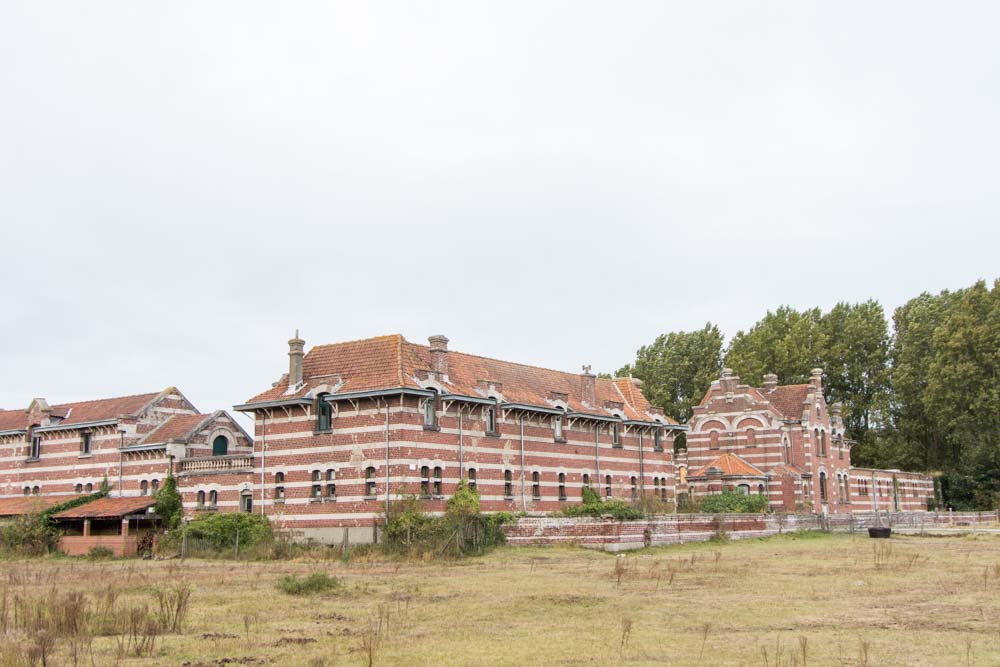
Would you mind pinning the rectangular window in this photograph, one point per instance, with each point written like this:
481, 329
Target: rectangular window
472, 478
536, 486
85, 443
562, 486
616, 434
658, 440
331, 490
437, 481
586, 480
508, 484
370, 482
607, 485
634, 488
430, 412
557, 428
425, 481
36, 447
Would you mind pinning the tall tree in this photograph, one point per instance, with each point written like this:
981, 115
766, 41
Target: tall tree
677, 368
785, 342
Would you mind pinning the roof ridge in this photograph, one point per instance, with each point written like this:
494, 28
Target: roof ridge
358, 340
505, 361
109, 398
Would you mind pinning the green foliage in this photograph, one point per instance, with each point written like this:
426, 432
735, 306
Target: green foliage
220, 530
733, 502
677, 368
786, 342
28, 535
317, 582
169, 506
100, 553
592, 505
462, 531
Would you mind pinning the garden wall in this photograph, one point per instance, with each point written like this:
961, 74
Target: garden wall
611, 535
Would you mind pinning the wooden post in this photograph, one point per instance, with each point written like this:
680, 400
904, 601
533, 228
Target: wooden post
86, 527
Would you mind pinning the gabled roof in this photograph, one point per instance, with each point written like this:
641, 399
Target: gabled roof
392, 362
108, 508
83, 412
787, 399
178, 427
29, 504
730, 465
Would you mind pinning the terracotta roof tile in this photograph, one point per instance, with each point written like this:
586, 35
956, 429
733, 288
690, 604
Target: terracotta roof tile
391, 362
177, 427
108, 508
729, 464
29, 504
787, 399
13, 420
84, 411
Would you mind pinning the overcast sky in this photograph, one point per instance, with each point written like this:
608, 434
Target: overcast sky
556, 183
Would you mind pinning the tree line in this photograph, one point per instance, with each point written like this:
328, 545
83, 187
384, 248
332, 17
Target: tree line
923, 394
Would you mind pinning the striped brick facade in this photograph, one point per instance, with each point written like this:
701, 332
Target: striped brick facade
404, 421
787, 443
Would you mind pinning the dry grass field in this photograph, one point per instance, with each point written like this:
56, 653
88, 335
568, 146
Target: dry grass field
789, 600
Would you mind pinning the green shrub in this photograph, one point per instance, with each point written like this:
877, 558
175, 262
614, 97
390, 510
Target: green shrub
29, 535
100, 553
733, 502
220, 530
169, 506
317, 582
592, 505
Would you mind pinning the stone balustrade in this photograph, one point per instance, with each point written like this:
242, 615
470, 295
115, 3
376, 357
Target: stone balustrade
214, 464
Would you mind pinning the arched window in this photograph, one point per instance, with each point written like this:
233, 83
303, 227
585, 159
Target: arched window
607, 486
331, 486
491, 420
508, 483
430, 411
279, 488
200, 498
663, 489
760, 489
425, 480
562, 486
324, 413
586, 480
536, 486
89, 488
143, 488
220, 446
656, 487
213, 498
822, 486
246, 501
78, 488
743, 489
317, 488
35, 490
27, 490
751, 438
713, 440
822, 442
370, 481
635, 487
154, 486
437, 481
472, 478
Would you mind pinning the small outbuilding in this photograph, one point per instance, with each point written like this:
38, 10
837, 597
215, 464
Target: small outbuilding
119, 524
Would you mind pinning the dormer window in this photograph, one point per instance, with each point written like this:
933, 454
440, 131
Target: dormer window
430, 412
324, 413
616, 434
658, 440
557, 428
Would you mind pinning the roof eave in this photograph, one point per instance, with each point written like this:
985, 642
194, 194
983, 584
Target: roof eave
67, 427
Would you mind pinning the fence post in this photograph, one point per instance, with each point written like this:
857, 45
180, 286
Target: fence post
184, 538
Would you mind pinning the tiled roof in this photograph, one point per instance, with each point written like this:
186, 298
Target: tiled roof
786, 468
84, 411
178, 427
28, 504
108, 508
787, 399
392, 362
729, 464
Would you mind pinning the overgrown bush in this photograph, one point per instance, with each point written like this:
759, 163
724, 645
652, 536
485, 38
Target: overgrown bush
733, 502
463, 530
593, 506
220, 531
28, 535
317, 582
169, 506
100, 553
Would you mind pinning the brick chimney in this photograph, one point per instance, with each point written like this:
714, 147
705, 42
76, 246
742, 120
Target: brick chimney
729, 380
439, 354
588, 387
817, 379
295, 354
770, 382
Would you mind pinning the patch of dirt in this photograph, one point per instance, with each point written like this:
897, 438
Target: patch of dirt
332, 617
246, 660
218, 635
286, 641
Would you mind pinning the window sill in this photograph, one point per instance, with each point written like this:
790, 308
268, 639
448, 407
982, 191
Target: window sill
492, 434
369, 497
206, 509
315, 500
658, 450
32, 459
431, 428
508, 497
322, 431
279, 501
536, 497
328, 499
561, 441
618, 446
85, 456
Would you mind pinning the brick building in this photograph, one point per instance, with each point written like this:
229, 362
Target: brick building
58, 451
788, 444
354, 425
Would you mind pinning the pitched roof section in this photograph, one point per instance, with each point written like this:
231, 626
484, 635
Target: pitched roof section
29, 504
108, 508
13, 420
392, 362
178, 427
730, 465
787, 399
83, 412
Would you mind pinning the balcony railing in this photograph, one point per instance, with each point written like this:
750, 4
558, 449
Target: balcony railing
232, 462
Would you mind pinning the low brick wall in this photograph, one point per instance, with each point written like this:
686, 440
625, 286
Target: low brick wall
611, 535
78, 545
